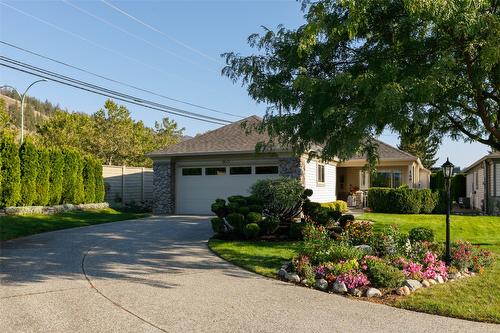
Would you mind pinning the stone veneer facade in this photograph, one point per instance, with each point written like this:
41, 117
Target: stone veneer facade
163, 187
292, 167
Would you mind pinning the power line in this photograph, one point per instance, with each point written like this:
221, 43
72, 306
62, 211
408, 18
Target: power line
160, 32
115, 81
33, 70
88, 40
86, 12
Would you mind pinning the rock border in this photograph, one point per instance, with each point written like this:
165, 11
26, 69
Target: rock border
49, 210
409, 286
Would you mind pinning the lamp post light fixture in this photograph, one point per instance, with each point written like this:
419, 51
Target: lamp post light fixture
447, 168
22, 97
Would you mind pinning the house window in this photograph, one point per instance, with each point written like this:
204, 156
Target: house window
240, 170
220, 171
320, 177
266, 170
191, 171
385, 178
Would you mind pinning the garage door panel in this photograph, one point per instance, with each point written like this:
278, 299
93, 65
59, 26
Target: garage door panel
195, 194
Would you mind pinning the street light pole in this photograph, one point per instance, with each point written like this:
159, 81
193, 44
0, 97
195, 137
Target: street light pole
22, 97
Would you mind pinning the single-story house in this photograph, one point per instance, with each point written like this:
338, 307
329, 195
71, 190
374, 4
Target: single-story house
190, 175
483, 184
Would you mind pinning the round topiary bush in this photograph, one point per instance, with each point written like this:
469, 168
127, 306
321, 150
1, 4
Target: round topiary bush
218, 225
269, 225
244, 210
219, 207
251, 231
253, 217
237, 221
421, 234
256, 208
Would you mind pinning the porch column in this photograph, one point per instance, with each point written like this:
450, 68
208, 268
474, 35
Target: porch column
163, 187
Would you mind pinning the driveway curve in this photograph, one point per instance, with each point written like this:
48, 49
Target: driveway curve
157, 275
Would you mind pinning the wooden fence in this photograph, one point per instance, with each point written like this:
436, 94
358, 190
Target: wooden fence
126, 184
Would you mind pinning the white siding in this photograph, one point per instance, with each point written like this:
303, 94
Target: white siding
321, 192
475, 186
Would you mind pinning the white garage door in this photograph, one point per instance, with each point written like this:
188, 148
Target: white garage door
197, 187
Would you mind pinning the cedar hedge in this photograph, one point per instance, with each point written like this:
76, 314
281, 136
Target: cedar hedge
402, 200
33, 175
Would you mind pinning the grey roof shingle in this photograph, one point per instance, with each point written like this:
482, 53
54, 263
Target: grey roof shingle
233, 138
228, 139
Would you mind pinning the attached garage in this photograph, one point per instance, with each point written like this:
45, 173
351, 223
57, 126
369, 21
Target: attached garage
198, 186
190, 175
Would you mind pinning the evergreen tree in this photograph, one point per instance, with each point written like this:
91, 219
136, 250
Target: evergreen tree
70, 176
89, 178
421, 141
29, 171
10, 191
99, 182
43, 178
56, 175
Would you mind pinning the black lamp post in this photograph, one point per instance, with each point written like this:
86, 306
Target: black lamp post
447, 168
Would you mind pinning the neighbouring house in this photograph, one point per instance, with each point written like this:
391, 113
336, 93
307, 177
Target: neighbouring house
483, 184
190, 175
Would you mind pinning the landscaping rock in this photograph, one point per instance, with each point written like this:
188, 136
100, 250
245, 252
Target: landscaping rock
373, 292
356, 292
432, 281
292, 277
303, 282
403, 291
339, 287
282, 273
439, 279
453, 276
472, 273
364, 248
426, 284
321, 284
412, 284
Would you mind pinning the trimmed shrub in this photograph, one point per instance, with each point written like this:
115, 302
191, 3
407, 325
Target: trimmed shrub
10, 189
237, 221
269, 225
218, 225
344, 220
99, 182
89, 179
251, 231
43, 178
56, 176
278, 195
295, 231
219, 208
72, 177
256, 208
458, 186
28, 156
244, 210
253, 217
421, 234
358, 232
339, 206
402, 200
382, 275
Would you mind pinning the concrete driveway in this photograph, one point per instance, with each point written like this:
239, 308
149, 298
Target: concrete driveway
157, 275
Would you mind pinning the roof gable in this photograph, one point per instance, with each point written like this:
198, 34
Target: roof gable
231, 138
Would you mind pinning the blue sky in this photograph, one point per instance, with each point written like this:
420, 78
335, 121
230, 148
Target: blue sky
182, 61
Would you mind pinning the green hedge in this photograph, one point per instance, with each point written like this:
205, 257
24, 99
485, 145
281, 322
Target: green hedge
10, 191
402, 200
32, 175
43, 178
29, 172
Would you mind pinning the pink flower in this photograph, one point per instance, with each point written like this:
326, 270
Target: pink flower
429, 273
429, 257
352, 279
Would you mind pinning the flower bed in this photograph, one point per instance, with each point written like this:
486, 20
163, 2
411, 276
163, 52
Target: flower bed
387, 263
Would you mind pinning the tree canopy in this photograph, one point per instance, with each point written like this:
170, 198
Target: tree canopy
357, 67
109, 134
422, 141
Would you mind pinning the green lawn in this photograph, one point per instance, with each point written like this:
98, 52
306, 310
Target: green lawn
24, 225
476, 298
